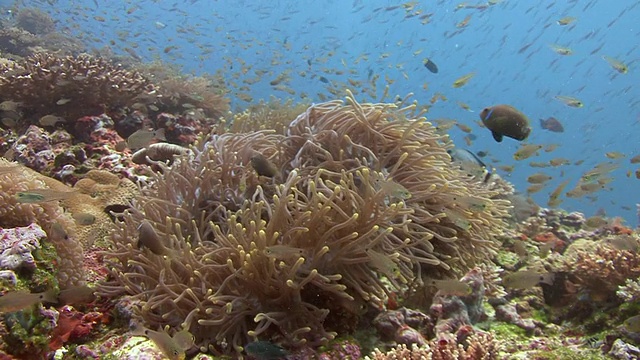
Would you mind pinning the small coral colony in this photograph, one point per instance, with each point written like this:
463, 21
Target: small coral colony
141, 217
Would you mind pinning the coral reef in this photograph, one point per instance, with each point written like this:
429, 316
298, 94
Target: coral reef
70, 86
362, 191
15, 41
452, 312
467, 344
601, 268
17, 244
94, 196
180, 94
35, 21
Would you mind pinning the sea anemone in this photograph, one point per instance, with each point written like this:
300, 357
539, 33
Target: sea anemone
362, 192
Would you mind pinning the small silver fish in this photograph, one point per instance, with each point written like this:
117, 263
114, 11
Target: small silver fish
50, 120
148, 238
173, 347
77, 295
632, 324
63, 101
43, 195
452, 287
84, 218
22, 299
142, 138
526, 279
9, 105
263, 166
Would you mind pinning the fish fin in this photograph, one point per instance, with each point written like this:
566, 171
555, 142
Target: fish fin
159, 134
50, 296
497, 137
140, 330
547, 278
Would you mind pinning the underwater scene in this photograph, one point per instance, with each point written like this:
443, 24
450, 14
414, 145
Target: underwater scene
357, 179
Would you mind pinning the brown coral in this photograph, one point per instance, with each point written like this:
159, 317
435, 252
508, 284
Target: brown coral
258, 257
475, 346
178, 93
71, 86
97, 193
45, 214
601, 268
35, 21
15, 41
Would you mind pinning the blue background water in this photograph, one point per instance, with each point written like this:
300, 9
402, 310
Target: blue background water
356, 39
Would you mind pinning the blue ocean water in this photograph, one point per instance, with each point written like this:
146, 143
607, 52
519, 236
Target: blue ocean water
327, 46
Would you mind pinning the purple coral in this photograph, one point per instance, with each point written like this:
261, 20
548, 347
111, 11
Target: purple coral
17, 244
452, 312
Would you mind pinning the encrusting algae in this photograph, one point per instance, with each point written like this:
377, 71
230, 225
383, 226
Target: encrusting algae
278, 258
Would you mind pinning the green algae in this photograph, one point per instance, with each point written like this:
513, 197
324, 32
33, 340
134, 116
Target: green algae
507, 331
564, 353
27, 333
44, 276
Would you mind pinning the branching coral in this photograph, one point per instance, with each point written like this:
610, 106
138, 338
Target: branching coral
476, 346
602, 268
275, 258
71, 86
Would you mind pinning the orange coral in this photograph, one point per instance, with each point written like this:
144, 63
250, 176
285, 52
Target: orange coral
551, 239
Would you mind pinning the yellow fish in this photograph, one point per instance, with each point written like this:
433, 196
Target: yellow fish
562, 50
526, 151
21, 299
173, 347
569, 101
462, 81
566, 20
525, 279
43, 195
538, 178
617, 65
614, 155
451, 287
554, 197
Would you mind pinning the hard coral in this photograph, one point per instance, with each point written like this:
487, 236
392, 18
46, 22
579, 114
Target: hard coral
96, 194
467, 345
15, 41
35, 21
71, 86
274, 258
17, 244
601, 268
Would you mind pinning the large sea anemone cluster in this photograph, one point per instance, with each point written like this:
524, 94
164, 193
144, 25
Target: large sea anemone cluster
362, 192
